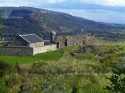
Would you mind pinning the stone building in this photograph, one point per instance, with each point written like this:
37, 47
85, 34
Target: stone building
29, 40
31, 44
81, 39
26, 45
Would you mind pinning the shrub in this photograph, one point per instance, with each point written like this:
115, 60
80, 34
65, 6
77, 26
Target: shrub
4, 67
117, 81
117, 84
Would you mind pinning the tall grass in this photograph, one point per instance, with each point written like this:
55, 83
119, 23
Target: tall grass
59, 72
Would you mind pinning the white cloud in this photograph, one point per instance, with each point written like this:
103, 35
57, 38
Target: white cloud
15, 3
37, 2
105, 2
27, 2
54, 1
49, 1
99, 2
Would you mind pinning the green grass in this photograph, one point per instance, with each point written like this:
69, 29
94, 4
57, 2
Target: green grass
48, 56
63, 73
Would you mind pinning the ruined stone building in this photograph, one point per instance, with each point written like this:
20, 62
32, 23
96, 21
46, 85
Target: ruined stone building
70, 40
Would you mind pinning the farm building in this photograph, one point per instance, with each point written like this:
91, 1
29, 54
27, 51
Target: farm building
29, 40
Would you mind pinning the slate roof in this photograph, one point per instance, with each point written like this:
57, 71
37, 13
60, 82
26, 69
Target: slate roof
31, 38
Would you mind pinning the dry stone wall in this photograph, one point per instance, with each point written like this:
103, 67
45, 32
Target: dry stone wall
25, 51
16, 51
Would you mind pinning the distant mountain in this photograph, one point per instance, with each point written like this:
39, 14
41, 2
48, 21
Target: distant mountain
15, 20
117, 25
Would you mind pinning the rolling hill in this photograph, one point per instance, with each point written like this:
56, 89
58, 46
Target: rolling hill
15, 20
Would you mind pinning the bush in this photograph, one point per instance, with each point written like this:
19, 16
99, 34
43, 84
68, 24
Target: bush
4, 67
117, 84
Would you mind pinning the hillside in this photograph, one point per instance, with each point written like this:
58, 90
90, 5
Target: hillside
40, 21
76, 69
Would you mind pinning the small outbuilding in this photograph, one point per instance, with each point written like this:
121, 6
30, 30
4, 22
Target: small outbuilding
29, 40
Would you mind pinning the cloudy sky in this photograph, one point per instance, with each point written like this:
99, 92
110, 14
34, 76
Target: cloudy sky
111, 11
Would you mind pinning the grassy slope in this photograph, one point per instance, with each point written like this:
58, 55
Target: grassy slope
71, 74
49, 56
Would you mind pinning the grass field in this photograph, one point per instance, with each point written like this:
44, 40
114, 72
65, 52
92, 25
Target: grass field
77, 69
49, 56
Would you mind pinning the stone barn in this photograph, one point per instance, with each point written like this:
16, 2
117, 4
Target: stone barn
63, 41
28, 40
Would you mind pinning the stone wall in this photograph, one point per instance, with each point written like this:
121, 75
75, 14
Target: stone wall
25, 51
63, 41
37, 44
75, 40
60, 41
90, 40
16, 51
37, 50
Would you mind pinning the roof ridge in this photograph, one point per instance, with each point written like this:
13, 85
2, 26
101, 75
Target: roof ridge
27, 34
24, 38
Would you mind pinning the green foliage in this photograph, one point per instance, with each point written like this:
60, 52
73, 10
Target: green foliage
3, 88
117, 79
117, 83
4, 67
103, 54
65, 73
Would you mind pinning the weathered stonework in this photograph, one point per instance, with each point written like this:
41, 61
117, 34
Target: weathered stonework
63, 41
36, 44
16, 51
25, 51
75, 40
